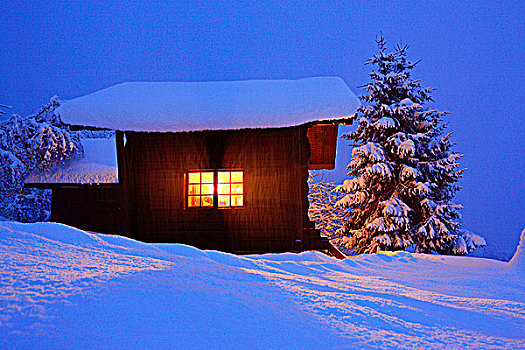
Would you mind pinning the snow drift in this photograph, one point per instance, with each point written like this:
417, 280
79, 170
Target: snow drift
64, 288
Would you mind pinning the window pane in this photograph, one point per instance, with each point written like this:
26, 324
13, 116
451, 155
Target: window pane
207, 178
194, 178
194, 201
203, 184
224, 200
223, 188
207, 189
236, 188
194, 189
223, 177
237, 201
236, 176
207, 201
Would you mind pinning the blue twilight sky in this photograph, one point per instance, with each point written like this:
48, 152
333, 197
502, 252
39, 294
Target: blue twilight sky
471, 51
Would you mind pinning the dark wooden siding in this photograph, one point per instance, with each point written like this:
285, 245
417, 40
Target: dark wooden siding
275, 164
88, 207
323, 145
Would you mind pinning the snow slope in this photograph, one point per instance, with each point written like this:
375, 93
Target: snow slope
517, 263
64, 288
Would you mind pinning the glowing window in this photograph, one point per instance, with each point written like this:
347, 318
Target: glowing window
230, 189
201, 188
221, 189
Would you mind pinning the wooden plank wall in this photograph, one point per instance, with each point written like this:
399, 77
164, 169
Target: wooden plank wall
87, 207
323, 146
275, 164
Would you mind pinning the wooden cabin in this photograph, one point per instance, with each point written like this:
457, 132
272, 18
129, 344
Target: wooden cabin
221, 165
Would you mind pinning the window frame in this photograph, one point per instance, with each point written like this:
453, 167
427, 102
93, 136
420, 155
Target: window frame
215, 189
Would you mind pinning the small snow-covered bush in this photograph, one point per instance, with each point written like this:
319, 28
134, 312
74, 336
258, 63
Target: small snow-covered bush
36, 142
11, 172
32, 205
40, 141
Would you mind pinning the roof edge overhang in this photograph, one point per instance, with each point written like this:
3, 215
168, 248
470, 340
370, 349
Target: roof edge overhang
339, 121
48, 186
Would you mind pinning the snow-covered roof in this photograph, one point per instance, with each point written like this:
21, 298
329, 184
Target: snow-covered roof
98, 166
194, 106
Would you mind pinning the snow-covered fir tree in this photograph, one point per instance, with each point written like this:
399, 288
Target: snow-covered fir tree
403, 173
322, 209
27, 144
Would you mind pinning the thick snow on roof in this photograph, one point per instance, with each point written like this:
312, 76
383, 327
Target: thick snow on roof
65, 288
99, 165
193, 106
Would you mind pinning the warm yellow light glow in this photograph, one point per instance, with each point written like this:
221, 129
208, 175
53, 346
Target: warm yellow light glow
194, 189
237, 201
230, 189
207, 188
223, 188
194, 178
207, 201
223, 177
236, 189
200, 189
236, 176
207, 178
202, 186
194, 201
224, 201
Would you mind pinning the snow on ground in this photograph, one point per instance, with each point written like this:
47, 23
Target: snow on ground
64, 288
517, 263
